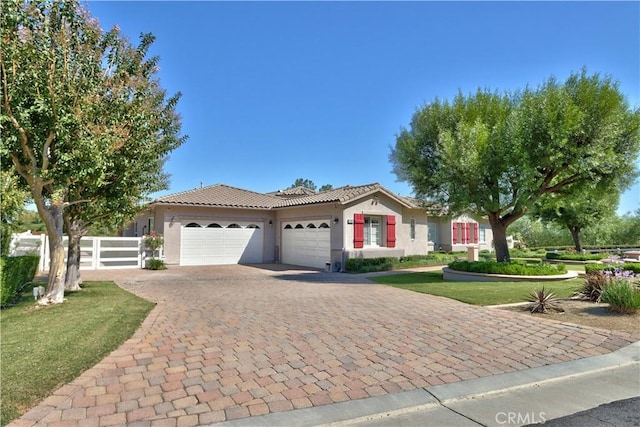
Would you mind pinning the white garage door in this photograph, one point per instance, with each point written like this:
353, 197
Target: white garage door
220, 242
306, 243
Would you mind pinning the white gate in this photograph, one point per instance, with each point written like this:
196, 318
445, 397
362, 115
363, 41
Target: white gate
97, 253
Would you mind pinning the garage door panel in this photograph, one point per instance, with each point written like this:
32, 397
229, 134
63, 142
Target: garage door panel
306, 246
212, 246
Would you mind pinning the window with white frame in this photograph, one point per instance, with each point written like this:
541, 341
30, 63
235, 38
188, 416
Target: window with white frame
412, 229
432, 232
483, 233
372, 231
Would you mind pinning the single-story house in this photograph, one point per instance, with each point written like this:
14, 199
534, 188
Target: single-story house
221, 224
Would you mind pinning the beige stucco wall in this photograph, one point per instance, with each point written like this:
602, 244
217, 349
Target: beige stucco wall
140, 227
420, 244
168, 221
445, 233
381, 206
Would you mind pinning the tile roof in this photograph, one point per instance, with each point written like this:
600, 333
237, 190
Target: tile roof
221, 195
293, 192
338, 195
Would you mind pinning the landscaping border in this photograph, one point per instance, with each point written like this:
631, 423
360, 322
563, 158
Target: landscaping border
466, 276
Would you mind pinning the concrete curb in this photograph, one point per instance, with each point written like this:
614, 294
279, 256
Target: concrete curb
534, 376
440, 402
467, 276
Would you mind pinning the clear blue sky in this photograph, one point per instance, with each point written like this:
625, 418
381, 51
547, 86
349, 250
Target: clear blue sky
274, 91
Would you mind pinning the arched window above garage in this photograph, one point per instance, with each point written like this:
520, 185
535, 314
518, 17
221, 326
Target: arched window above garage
233, 226
288, 227
324, 225
214, 225
252, 226
311, 226
193, 225
299, 226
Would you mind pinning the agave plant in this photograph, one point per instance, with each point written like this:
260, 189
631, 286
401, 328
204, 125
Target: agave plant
543, 301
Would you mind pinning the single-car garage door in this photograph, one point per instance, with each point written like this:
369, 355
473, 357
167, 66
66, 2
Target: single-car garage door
306, 243
220, 242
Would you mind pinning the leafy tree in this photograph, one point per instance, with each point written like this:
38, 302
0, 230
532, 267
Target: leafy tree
580, 209
11, 207
61, 74
616, 230
146, 130
537, 234
494, 155
306, 183
630, 230
29, 221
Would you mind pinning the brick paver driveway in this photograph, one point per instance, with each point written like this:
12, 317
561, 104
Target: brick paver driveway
238, 341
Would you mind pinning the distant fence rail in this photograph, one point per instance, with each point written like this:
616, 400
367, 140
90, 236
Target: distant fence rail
97, 253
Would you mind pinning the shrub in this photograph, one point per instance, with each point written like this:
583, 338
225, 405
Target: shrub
543, 301
367, 265
574, 257
432, 258
593, 285
510, 268
153, 242
519, 253
412, 258
156, 264
594, 268
622, 296
15, 272
630, 266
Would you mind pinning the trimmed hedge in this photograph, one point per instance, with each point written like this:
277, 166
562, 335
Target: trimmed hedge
512, 268
574, 257
15, 272
631, 266
367, 265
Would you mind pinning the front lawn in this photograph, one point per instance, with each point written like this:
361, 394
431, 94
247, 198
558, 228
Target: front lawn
477, 293
44, 348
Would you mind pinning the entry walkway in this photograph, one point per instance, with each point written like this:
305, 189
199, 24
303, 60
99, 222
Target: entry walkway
232, 342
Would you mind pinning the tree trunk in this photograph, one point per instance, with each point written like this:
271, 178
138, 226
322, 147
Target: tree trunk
499, 229
575, 234
52, 217
72, 278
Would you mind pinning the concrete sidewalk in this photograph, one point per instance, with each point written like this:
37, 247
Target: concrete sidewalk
530, 396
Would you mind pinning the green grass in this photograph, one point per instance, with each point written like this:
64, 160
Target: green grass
477, 293
44, 348
575, 267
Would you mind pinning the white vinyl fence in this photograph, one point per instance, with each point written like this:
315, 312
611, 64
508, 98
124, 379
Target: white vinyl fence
96, 252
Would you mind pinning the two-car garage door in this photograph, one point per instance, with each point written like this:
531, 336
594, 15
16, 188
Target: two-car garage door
306, 243
219, 242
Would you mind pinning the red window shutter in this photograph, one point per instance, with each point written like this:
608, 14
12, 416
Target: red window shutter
358, 230
467, 232
455, 232
476, 232
391, 231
